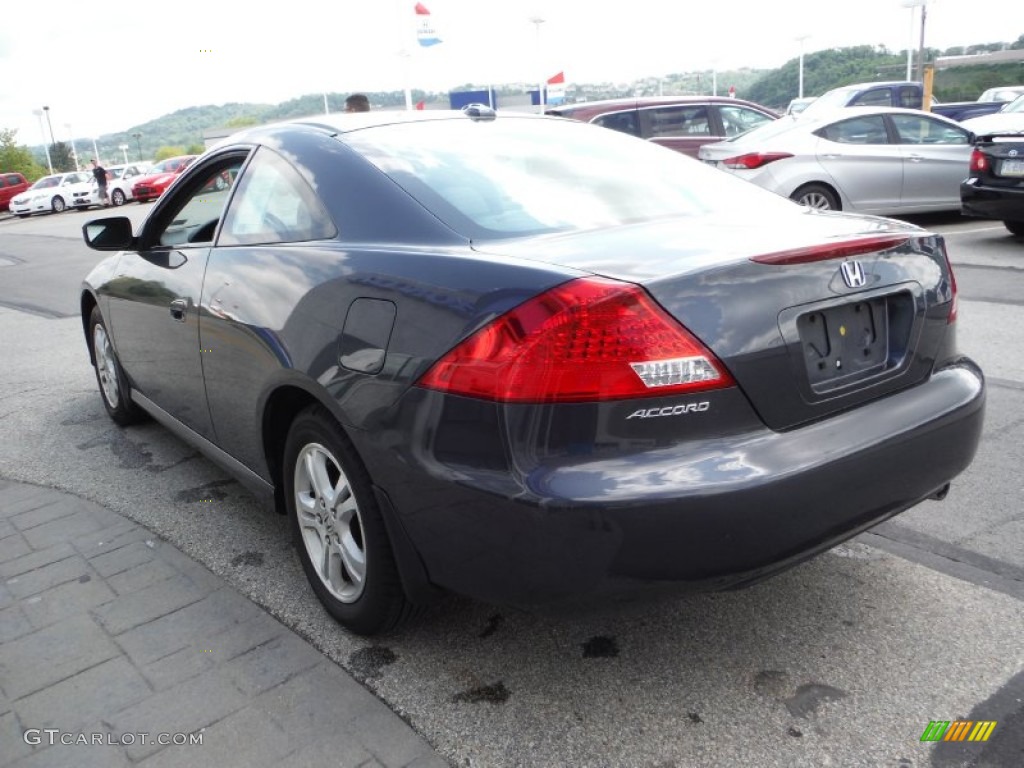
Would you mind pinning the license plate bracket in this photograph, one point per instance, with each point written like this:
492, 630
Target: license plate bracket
844, 342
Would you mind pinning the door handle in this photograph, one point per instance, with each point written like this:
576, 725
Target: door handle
915, 158
178, 309
831, 155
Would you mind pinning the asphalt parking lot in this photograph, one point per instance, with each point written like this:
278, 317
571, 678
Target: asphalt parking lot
842, 661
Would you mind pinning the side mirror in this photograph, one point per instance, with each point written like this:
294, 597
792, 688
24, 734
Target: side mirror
110, 234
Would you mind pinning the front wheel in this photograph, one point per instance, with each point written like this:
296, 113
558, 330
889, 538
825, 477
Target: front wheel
338, 528
109, 374
1015, 227
58, 204
117, 197
816, 196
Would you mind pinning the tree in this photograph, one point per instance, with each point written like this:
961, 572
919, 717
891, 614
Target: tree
162, 153
15, 158
60, 156
195, 149
242, 121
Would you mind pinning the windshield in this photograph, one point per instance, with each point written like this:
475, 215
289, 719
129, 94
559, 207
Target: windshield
518, 175
837, 97
1017, 105
46, 181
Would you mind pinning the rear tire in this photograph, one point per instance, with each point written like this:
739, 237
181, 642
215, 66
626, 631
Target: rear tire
816, 196
1015, 227
338, 528
109, 374
58, 204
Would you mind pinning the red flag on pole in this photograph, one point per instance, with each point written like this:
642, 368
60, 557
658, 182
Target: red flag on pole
556, 79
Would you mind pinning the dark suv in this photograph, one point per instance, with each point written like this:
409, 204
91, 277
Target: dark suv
11, 184
682, 123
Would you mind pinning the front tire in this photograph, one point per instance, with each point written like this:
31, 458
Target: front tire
109, 374
1015, 227
816, 196
338, 528
58, 204
117, 197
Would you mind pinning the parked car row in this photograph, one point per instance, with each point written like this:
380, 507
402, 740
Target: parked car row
58, 192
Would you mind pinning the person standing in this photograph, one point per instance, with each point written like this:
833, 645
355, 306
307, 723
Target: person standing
100, 174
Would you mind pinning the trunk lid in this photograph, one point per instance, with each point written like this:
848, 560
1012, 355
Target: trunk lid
801, 340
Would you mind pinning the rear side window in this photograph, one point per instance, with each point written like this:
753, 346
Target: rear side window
274, 204
691, 120
13, 178
625, 122
858, 130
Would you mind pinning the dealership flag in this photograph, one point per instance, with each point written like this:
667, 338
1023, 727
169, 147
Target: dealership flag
556, 88
425, 32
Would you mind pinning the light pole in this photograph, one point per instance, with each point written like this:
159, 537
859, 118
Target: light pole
800, 89
124, 151
912, 4
537, 21
138, 143
74, 151
49, 163
96, 153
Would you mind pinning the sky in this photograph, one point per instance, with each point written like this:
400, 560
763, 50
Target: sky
107, 65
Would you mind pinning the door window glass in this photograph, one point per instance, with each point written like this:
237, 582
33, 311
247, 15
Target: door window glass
876, 97
193, 219
913, 129
625, 122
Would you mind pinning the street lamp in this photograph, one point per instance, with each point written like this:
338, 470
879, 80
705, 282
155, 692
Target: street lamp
537, 21
138, 143
124, 151
53, 141
39, 113
96, 152
74, 151
800, 39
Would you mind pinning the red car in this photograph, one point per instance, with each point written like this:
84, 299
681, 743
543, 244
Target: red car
682, 123
11, 184
160, 176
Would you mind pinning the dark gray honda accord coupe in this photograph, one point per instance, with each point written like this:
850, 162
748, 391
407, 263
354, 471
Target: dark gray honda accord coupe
526, 359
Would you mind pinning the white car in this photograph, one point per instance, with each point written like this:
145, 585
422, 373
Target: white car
52, 194
879, 160
119, 187
1009, 118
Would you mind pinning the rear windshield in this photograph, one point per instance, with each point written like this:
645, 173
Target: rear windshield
516, 176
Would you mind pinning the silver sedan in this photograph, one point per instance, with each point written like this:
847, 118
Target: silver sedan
878, 160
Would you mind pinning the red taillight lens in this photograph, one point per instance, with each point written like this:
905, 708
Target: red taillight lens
838, 250
754, 160
587, 340
979, 161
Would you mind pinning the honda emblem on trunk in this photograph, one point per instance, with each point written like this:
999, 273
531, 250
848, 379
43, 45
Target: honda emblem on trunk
853, 274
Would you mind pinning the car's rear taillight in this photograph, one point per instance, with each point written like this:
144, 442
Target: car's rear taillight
754, 159
979, 161
587, 340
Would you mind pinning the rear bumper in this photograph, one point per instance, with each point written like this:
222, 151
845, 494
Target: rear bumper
1002, 203
711, 513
